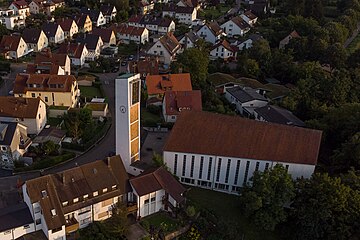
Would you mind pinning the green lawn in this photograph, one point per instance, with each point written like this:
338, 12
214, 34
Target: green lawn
226, 208
90, 92
149, 119
214, 12
54, 121
354, 45
159, 219
127, 49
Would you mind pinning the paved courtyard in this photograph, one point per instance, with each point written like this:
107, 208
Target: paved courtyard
154, 142
136, 232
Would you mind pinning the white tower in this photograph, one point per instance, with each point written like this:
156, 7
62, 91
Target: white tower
127, 121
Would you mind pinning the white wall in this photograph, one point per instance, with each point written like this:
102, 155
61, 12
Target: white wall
151, 206
205, 33
214, 177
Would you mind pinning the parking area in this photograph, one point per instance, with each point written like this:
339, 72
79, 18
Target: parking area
154, 142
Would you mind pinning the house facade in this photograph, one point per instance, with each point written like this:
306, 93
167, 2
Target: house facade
109, 12
13, 47
198, 158
155, 25
96, 16
58, 59
107, 36
94, 45
54, 33
36, 39
249, 18
30, 112
10, 19
210, 32
77, 52
235, 27
185, 15
166, 48
68, 26
83, 22
126, 34
223, 50
20, 7
56, 90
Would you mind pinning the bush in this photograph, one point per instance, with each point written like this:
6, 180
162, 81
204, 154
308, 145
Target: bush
146, 225
190, 211
154, 109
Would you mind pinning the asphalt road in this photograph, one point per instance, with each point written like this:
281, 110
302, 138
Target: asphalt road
8, 84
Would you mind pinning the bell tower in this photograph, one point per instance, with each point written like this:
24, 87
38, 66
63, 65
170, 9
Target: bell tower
127, 121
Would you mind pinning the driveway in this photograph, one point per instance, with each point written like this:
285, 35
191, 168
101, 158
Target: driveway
136, 232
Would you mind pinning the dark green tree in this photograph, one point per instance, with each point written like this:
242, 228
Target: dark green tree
264, 200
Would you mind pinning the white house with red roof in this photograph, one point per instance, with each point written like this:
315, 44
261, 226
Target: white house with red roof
235, 27
223, 50
20, 7
13, 47
126, 33
166, 48
249, 18
221, 152
210, 32
76, 51
285, 41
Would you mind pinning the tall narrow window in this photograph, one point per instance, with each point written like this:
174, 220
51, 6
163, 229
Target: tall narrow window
135, 92
184, 165
266, 166
201, 166
227, 171
209, 168
237, 172
175, 163
257, 166
192, 166
287, 167
246, 171
218, 170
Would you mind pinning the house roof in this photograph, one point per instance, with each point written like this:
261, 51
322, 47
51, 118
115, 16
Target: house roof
7, 130
90, 41
46, 56
9, 43
245, 94
190, 3
54, 189
170, 43
74, 50
275, 114
250, 15
214, 28
65, 23
146, 67
175, 102
22, 81
240, 23
44, 68
104, 33
15, 216
156, 180
228, 136
126, 29
178, 9
80, 19
107, 9
226, 45
31, 35
158, 84
17, 107
50, 29
294, 34
20, 4
93, 13
50, 134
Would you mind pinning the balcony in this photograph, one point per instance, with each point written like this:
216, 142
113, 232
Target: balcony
131, 207
71, 225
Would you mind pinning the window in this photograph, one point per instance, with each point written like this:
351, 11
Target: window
192, 166
287, 167
86, 196
7, 232
76, 200
175, 164
227, 171
43, 193
39, 116
237, 172
209, 168
266, 166
218, 170
85, 221
246, 171
153, 199
257, 166
37, 209
65, 203
104, 190
33, 95
146, 201
201, 166
38, 221
184, 166
135, 92
95, 193
26, 226
46, 99
113, 187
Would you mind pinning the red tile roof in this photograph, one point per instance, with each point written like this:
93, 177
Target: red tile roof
156, 180
19, 107
179, 101
65, 23
105, 34
9, 43
228, 136
46, 56
250, 15
158, 84
74, 50
126, 29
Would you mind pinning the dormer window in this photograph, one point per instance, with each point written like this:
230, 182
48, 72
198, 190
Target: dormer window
95, 193
86, 196
76, 200
104, 190
65, 203
43, 193
113, 187
53, 212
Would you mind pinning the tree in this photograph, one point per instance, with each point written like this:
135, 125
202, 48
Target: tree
260, 51
72, 124
117, 224
338, 33
325, 208
335, 55
190, 211
158, 160
50, 148
195, 62
264, 199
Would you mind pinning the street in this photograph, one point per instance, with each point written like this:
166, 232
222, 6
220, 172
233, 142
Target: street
8, 84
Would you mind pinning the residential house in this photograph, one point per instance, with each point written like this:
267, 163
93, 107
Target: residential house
246, 99
185, 15
222, 49
145, 67
30, 112
93, 43
68, 26
37, 6
14, 141
249, 18
20, 7
13, 47
109, 12
176, 102
235, 27
59, 3
64, 202
96, 16
36, 39
210, 32
189, 40
248, 43
54, 33
259, 7
155, 25
288, 38
195, 150
76, 51
58, 59
156, 190
44, 68
146, 6
276, 114
10, 19
127, 34
157, 85
83, 22
189, 3
165, 48
56, 90
107, 36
